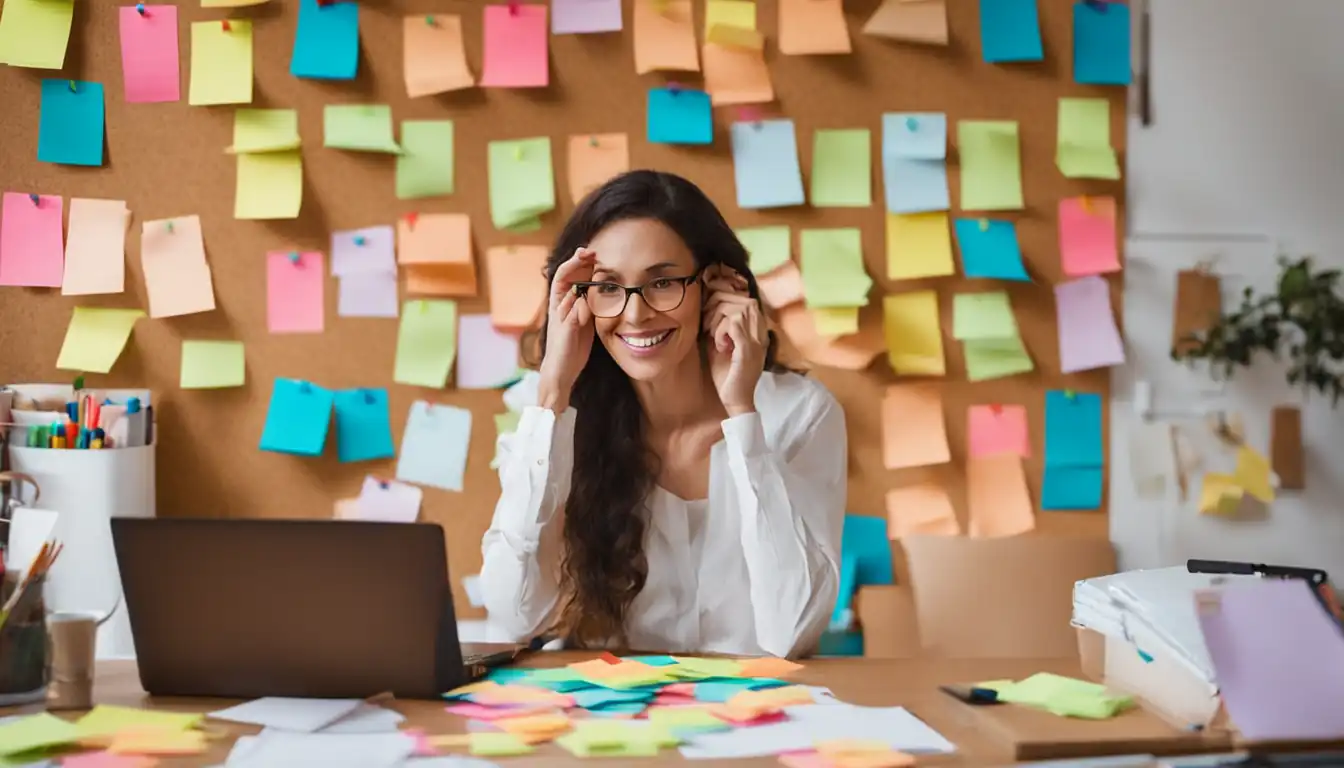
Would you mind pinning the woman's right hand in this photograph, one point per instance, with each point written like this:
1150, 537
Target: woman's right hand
569, 332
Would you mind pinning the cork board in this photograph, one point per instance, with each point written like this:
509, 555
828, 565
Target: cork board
168, 160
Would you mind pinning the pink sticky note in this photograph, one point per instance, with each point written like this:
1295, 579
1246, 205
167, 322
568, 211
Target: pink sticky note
106, 760
516, 40
1088, 336
149, 61
804, 760
31, 247
388, 501
996, 429
294, 302
486, 358
581, 17
482, 712
1087, 236
679, 689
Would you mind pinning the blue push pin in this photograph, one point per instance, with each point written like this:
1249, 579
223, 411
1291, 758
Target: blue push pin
293, 257
359, 240
140, 8
36, 200
911, 124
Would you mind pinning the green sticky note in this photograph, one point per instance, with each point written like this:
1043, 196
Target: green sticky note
522, 181
35, 732
104, 720
269, 185
842, 168
983, 316
832, 268
995, 358
212, 364
95, 338
425, 165
426, 343
767, 247
264, 130
35, 33
690, 667
1066, 696
1083, 149
487, 744
221, 62
359, 127
991, 165
525, 227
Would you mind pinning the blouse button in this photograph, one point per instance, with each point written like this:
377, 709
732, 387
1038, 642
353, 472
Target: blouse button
541, 462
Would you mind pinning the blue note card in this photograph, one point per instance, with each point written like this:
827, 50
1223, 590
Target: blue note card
363, 427
298, 418
989, 249
1010, 30
70, 130
434, 446
765, 164
914, 162
1072, 429
679, 116
1101, 43
1071, 488
326, 43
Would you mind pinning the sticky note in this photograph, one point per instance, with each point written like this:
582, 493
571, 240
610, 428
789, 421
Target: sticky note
149, 63
1254, 474
914, 162
425, 165
989, 249
221, 62
30, 732
212, 364
595, 159
363, 251
923, 509
326, 42
982, 316
765, 164
1083, 149
95, 250
518, 285
997, 500
995, 358
440, 279
736, 75
864, 540
1074, 457
1088, 237
95, 338
914, 335
269, 185
30, 240
435, 238
522, 180
913, 430
231, 3
1088, 336
373, 294
434, 60
767, 247
360, 127
385, 501
679, 116
912, 21
264, 130
140, 744
516, 44
842, 162
298, 418
1101, 43
486, 358
991, 165
812, 27
434, 446
832, 267
1010, 30
995, 429
363, 428
177, 276
918, 245
426, 343
35, 33
106, 720
1220, 494
835, 321
584, 17
294, 291
70, 130
664, 36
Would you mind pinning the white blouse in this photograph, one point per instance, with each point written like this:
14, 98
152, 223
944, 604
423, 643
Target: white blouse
751, 570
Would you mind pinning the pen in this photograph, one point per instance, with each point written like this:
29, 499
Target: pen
96, 442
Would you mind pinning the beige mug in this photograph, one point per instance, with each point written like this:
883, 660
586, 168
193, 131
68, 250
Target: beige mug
74, 639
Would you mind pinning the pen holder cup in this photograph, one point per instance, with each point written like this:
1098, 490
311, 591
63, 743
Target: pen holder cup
25, 654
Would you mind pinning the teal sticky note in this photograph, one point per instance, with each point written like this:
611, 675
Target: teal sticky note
595, 698
1010, 30
679, 116
989, 249
298, 418
326, 42
70, 130
719, 691
914, 162
1073, 429
363, 426
1101, 43
653, 661
1071, 488
765, 164
866, 539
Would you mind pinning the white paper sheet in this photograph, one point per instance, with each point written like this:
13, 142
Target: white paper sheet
367, 718
281, 749
29, 529
809, 724
1151, 459
286, 714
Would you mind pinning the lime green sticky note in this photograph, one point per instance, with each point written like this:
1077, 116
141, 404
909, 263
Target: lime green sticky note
740, 14
212, 364
983, 316
269, 185
425, 165
95, 338
991, 165
1066, 696
35, 33
831, 261
842, 168
522, 181
995, 358
35, 732
360, 127
1083, 149
264, 130
487, 744
702, 668
104, 720
767, 247
221, 62
426, 343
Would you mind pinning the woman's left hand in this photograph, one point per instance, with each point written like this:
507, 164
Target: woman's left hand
738, 337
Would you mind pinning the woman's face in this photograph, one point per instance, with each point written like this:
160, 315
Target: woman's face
656, 332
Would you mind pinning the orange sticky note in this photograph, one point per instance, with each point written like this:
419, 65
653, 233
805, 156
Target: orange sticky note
594, 159
601, 669
923, 509
177, 277
547, 724
998, 429
434, 59
768, 667
996, 493
913, 432
1087, 236
158, 741
852, 353
787, 696
913, 21
441, 279
664, 37
516, 47
434, 238
518, 285
812, 26
95, 250
736, 75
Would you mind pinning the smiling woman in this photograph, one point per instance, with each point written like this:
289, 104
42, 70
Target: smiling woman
673, 488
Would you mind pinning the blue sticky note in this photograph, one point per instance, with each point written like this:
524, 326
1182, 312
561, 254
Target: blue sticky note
765, 164
363, 427
1010, 30
833, 643
298, 418
679, 116
989, 249
326, 43
70, 130
914, 162
718, 692
434, 446
1101, 43
653, 661
1071, 488
1073, 429
619, 710
599, 698
865, 538
914, 135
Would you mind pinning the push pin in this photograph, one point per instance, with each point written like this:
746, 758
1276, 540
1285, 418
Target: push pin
429, 21
225, 24
592, 141
368, 397
513, 7
1070, 394
293, 257
305, 387
984, 225
168, 225
140, 8
360, 240
674, 88
996, 409
37, 201
911, 124
410, 220
73, 87
517, 153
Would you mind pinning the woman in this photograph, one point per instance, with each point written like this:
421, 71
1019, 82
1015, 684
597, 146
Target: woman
672, 488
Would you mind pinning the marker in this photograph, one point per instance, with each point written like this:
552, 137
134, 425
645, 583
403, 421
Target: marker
57, 436
98, 438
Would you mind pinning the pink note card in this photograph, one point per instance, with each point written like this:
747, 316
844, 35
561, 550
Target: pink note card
1087, 236
31, 247
1088, 336
516, 47
177, 276
294, 298
996, 429
149, 61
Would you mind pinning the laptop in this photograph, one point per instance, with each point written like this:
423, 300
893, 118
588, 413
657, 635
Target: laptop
301, 608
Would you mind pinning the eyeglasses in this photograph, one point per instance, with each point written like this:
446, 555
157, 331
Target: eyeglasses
662, 294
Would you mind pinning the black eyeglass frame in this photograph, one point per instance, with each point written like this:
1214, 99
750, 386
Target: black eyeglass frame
581, 288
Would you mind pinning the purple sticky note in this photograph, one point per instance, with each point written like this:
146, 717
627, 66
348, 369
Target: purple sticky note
361, 251
370, 294
584, 17
1088, 336
32, 250
517, 53
486, 358
149, 61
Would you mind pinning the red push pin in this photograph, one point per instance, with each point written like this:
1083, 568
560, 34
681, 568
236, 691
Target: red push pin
513, 7
996, 409
225, 24
410, 220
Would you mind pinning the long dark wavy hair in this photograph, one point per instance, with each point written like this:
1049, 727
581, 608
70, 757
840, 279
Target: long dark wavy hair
604, 566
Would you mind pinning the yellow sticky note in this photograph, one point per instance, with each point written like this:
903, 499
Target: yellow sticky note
842, 168
740, 14
522, 181
735, 37
35, 732
914, 334
426, 343
212, 364
1221, 495
221, 62
158, 741
991, 165
1083, 149
767, 247
359, 127
1254, 474
264, 130
487, 744
35, 33
269, 185
918, 245
836, 321
831, 261
95, 338
106, 720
